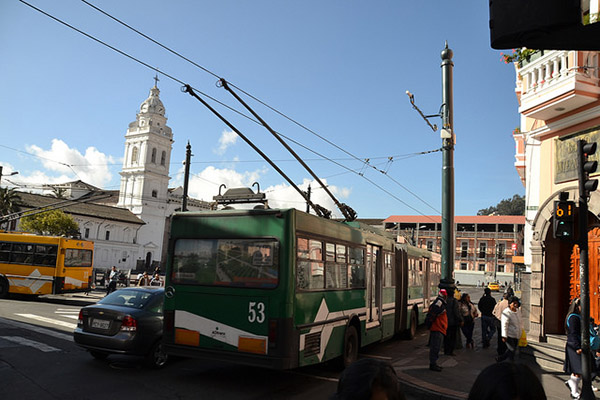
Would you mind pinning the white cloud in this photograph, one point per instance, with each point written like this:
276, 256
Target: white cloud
206, 184
285, 196
91, 167
227, 139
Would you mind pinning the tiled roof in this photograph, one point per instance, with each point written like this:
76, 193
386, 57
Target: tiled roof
468, 219
32, 200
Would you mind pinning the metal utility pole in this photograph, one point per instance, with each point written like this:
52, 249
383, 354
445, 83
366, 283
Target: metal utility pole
186, 176
447, 135
585, 186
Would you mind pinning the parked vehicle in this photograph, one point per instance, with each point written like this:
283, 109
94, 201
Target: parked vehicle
128, 321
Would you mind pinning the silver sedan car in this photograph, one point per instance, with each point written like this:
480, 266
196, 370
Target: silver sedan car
127, 321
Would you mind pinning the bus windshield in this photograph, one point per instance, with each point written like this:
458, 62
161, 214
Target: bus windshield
251, 263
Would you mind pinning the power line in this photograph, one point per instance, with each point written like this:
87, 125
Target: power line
247, 94
212, 98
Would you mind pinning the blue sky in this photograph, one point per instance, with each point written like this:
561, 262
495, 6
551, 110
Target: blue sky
340, 68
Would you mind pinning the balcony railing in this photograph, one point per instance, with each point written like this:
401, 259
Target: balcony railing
556, 82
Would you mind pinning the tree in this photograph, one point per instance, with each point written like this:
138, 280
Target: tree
514, 206
9, 201
53, 222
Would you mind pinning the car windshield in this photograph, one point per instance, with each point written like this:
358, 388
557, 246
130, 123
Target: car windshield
127, 298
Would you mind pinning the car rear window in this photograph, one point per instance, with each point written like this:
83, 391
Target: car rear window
127, 298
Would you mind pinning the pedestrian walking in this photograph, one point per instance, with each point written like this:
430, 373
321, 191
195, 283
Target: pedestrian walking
156, 281
500, 306
455, 321
469, 314
112, 280
488, 326
144, 280
511, 329
572, 363
439, 323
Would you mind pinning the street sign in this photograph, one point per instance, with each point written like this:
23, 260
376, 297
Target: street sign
514, 246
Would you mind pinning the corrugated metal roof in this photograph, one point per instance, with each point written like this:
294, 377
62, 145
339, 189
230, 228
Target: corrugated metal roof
32, 200
469, 219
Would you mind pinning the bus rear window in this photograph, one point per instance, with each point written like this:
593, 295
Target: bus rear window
78, 258
250, 263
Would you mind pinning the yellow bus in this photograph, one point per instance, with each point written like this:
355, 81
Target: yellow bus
35, 265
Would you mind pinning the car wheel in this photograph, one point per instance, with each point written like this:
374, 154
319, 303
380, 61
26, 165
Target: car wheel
98, 355
157, 358
3, 288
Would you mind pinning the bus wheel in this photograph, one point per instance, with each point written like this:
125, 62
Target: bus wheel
350, 346
3, 288
412, 329
98, 355
157, 358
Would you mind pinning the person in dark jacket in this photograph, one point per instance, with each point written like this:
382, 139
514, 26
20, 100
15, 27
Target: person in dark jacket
455, 321
488, 325
572, 363
438, 329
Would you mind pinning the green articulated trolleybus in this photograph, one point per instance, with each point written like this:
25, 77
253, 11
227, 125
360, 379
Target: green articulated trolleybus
281, 288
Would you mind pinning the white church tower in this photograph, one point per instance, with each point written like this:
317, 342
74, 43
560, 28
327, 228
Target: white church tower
145, 174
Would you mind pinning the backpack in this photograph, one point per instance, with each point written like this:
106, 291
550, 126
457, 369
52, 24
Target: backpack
594, 338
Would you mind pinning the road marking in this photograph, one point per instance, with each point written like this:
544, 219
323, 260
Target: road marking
49, 320
37, 329
31, 343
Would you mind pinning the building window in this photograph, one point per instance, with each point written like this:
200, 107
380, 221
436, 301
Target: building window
107, 236
86, 233
463, 266
482, 267
501, 250
464, 249
134, 155
500, 268
482, 249
163, 158
153, 157
430, 245
154, 193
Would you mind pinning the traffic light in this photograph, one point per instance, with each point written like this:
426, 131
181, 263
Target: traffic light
564, 216
586, 185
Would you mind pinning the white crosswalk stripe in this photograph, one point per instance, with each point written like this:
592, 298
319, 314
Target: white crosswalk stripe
49, 320
31, 343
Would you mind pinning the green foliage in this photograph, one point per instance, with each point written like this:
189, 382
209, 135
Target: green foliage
9, 201
514, 206
53, 222
518, 55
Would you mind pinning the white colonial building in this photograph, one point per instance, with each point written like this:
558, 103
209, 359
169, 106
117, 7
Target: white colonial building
130, 227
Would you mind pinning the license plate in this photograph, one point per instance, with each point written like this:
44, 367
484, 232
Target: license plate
100, 323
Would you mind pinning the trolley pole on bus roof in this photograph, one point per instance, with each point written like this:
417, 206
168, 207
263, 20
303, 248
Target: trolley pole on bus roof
447, 135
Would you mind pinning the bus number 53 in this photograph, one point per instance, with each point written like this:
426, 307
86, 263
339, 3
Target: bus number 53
256, 312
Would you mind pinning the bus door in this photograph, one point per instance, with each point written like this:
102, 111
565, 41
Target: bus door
374, 281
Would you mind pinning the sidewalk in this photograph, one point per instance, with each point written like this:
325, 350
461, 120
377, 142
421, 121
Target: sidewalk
460, 371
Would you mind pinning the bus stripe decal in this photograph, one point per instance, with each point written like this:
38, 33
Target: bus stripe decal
213, 329
33, 281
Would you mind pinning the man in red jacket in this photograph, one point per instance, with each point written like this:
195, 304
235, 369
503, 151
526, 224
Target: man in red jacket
438, 329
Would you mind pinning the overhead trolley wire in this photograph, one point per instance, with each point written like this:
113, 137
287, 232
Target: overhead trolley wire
157, 70
366, 162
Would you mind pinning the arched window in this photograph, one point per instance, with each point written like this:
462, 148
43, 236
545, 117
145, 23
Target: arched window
163, 158
153, 158
134, 155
